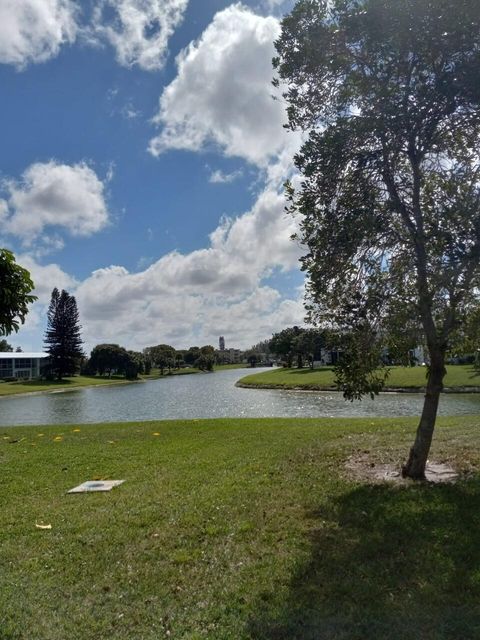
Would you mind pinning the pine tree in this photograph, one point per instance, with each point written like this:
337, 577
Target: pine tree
62, 338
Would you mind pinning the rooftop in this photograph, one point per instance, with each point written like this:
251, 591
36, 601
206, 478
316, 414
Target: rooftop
6, 355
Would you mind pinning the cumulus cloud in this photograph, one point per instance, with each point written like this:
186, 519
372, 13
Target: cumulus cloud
139, 30
54, 196
33, 31
186, 299
193, 298
177, 318
222, 91
46, 277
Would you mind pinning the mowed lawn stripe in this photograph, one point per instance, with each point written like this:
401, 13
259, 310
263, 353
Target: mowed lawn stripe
234, 529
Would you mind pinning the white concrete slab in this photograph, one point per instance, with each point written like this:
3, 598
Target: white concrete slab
96, 485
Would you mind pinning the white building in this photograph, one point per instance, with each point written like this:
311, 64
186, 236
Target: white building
21, 365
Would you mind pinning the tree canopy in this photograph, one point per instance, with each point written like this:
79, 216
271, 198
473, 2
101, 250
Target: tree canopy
388, 95
162, 356
300, 343
5, 346
16, 288
62, 337
112, 358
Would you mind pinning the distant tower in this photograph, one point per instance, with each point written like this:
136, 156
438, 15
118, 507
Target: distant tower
221, 343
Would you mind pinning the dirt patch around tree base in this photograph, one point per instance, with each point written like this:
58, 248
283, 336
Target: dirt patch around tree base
362, 467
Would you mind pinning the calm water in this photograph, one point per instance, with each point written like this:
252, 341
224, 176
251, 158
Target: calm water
208, 396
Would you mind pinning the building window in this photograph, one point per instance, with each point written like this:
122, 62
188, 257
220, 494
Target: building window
23, 363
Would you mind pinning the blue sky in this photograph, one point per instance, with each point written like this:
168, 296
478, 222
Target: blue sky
142, 168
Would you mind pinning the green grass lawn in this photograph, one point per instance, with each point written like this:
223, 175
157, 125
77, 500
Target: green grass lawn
30, 386
400, 377
155, 373
236, 529
237, 365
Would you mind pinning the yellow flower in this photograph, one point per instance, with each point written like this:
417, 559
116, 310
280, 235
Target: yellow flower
57, 438
75, 430
155, 433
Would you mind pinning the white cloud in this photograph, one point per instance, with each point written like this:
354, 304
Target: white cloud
153, 315
46, 277
139, 30
33, 31
186, 299
54, 196
222, 91
219, 177
193, 298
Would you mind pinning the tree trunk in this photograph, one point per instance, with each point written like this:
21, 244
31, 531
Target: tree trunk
415, 466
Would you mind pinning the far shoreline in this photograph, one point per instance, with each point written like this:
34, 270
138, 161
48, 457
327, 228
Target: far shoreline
314, 389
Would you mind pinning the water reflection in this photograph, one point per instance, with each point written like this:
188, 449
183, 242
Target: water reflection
209, 396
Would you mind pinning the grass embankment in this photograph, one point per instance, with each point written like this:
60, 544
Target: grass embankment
155, 374
410, 378
237, 365
236, 530
35, 386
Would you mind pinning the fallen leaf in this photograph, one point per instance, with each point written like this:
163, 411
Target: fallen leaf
75, 430
43, 526
57, 439
156, 433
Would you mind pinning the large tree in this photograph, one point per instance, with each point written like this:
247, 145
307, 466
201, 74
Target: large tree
62, 337
285, 344
16, 288
5, 346
387, 93
162, 356
112, 358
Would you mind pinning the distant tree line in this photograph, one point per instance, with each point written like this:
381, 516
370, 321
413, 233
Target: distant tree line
112, 359
299, 346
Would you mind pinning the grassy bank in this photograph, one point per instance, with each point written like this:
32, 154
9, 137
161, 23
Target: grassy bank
155, 374
236, 529
35, 386
413, 378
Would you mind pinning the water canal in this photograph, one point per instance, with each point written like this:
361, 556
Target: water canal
208, 396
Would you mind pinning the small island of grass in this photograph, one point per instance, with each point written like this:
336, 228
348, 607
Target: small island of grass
459, 378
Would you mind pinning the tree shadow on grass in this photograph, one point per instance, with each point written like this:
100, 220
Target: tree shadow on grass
386, 563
